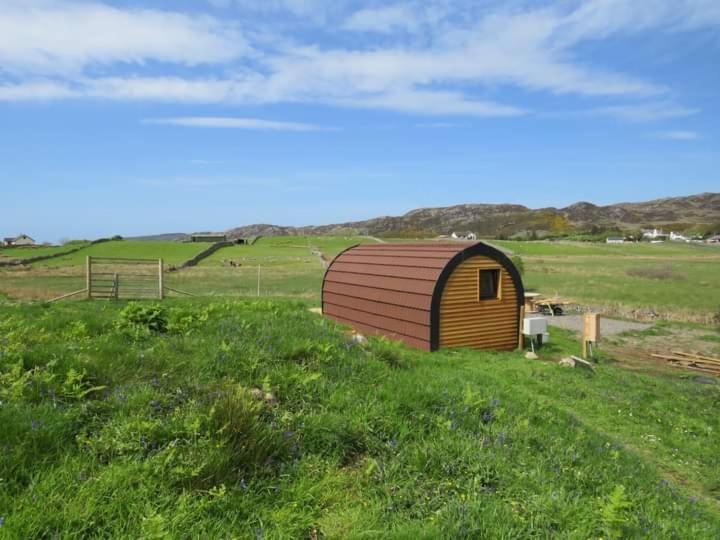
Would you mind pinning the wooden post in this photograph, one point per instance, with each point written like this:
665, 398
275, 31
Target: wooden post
116, 286
258, 282
521, 343
88, 275
591, 331
161, 284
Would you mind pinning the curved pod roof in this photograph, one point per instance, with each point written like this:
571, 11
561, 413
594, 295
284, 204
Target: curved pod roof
396, 289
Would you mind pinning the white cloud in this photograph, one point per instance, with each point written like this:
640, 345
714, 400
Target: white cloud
678, 135
384, 19
644, 112
432, 103
36, 91
65, 37
457, 52
235, 123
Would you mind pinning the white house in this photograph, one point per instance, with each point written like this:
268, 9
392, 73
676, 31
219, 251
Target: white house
678, 237
20, 240
615, 240
463, 236
654, 234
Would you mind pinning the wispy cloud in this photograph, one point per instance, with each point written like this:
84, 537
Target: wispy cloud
235, 123
677, 135
456, 53
384, 19
63, 37
644, 112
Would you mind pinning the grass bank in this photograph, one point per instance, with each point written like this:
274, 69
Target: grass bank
259, 419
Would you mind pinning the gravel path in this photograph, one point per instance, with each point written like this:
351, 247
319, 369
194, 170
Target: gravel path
608, 327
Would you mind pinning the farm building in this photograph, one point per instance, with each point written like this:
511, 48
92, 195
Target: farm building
615, 240
20, 240
429, 295
208, 237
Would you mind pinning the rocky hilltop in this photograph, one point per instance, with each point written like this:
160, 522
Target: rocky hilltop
506, 220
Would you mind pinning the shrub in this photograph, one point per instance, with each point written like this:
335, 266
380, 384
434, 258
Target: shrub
151, 317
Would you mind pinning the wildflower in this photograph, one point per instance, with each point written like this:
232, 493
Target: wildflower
2, 522
393, 443
495, 403
35, 424
243, 484
487, 416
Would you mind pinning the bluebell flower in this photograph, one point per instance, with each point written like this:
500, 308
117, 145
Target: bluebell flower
2, 522
487, 416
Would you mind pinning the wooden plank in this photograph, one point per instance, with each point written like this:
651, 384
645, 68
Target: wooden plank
697, 356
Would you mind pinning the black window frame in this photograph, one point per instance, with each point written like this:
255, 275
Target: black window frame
495, 295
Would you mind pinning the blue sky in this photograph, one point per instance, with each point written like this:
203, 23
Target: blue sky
148, 116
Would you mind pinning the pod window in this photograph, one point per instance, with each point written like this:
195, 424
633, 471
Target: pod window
489, 284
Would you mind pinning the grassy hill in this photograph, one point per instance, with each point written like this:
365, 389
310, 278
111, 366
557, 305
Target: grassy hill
171, 252
259, 419
12, 253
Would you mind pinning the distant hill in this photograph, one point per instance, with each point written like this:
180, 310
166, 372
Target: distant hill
167, 237
508, 220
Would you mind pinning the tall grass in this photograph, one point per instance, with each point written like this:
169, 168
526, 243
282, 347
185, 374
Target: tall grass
259, 419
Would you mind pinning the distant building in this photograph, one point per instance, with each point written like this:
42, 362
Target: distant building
20, 240
713, 239
654, 234
615, 240
208, 237
463, 236
675, 237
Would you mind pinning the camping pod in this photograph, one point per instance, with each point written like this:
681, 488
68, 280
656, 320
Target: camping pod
429, 295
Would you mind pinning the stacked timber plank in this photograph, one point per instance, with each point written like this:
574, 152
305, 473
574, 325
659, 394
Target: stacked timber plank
692, 361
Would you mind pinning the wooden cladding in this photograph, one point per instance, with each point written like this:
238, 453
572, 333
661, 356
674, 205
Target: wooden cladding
428, 295
470, 319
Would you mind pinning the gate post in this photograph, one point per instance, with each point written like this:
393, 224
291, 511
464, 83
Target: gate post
161, 284
88, 275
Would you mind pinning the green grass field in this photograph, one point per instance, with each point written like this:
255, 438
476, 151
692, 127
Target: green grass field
642, 249
171, 252
677, 281
258, 419
30, 252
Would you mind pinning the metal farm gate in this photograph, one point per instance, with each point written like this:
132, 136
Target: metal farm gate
117, 278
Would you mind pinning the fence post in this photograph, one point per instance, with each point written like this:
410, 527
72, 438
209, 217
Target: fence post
258, 282
116, 285
161, 284
88, 275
